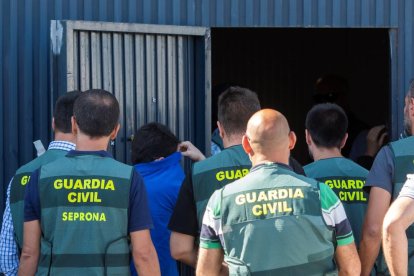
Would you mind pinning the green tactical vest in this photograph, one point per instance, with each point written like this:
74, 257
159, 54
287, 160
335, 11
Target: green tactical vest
403, 151
18, 187
215, 172
272, 224
84, 203
346, 179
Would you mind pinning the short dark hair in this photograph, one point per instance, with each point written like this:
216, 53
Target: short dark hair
235, 107
63, 111
96, 112
327, 124
151, 142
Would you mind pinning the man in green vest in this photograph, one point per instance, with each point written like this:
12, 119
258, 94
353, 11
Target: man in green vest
385, 180
235, 106
11, 240
398, 232
326, 134
82, 210
274, 221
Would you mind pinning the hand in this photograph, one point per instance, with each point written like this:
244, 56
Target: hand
375, 139
189, 150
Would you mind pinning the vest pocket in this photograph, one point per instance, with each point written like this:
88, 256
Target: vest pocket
117, 257
45, 259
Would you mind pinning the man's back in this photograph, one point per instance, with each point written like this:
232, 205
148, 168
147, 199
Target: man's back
347, 179
84, 201
275, 209
163, 180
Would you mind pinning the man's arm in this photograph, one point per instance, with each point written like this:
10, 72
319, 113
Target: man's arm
31, 248
187, 149
9, 259
144, 254
398, 218
183, 248
209, 261
378, 204
347, 259
184, 226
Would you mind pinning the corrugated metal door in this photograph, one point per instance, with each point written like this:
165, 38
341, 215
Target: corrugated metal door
158, 73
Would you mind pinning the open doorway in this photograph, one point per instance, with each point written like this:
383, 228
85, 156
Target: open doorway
282, 66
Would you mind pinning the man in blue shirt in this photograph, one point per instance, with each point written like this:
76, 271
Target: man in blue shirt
154, 153
10, 238
86, 204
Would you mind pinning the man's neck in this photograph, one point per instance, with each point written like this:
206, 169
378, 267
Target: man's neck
233, 140
276, 156
324, 153
67, 137
86, 143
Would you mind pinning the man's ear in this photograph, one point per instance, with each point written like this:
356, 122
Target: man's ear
308, 137
53, 124
411, 106
221, 130
246, 145
292, 140
74, 125
343, 142
114, 132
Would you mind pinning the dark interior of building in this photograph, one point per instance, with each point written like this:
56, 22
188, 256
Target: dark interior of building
282, 66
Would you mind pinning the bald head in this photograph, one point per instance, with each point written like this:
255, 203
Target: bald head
269, 137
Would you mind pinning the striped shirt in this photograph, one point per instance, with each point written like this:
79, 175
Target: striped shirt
333, 214
9, 255
408, 188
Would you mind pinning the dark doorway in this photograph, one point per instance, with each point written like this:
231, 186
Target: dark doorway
282, 66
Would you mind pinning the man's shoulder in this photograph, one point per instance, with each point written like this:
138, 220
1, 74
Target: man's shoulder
254, 179
358, 169
403, 146
48, 157
335, 167
233, 156
310, 167
107, 167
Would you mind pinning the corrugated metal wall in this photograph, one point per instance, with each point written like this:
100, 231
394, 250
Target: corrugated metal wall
156, 72
25, 85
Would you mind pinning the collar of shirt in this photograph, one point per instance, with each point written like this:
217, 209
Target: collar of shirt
281, 165
61, 145
162, 164
101, 153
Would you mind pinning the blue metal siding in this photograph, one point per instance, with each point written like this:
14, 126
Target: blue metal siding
25, 83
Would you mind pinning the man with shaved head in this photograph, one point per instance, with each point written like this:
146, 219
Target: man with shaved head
274, 221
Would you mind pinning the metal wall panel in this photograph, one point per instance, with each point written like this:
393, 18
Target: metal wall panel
25, 83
